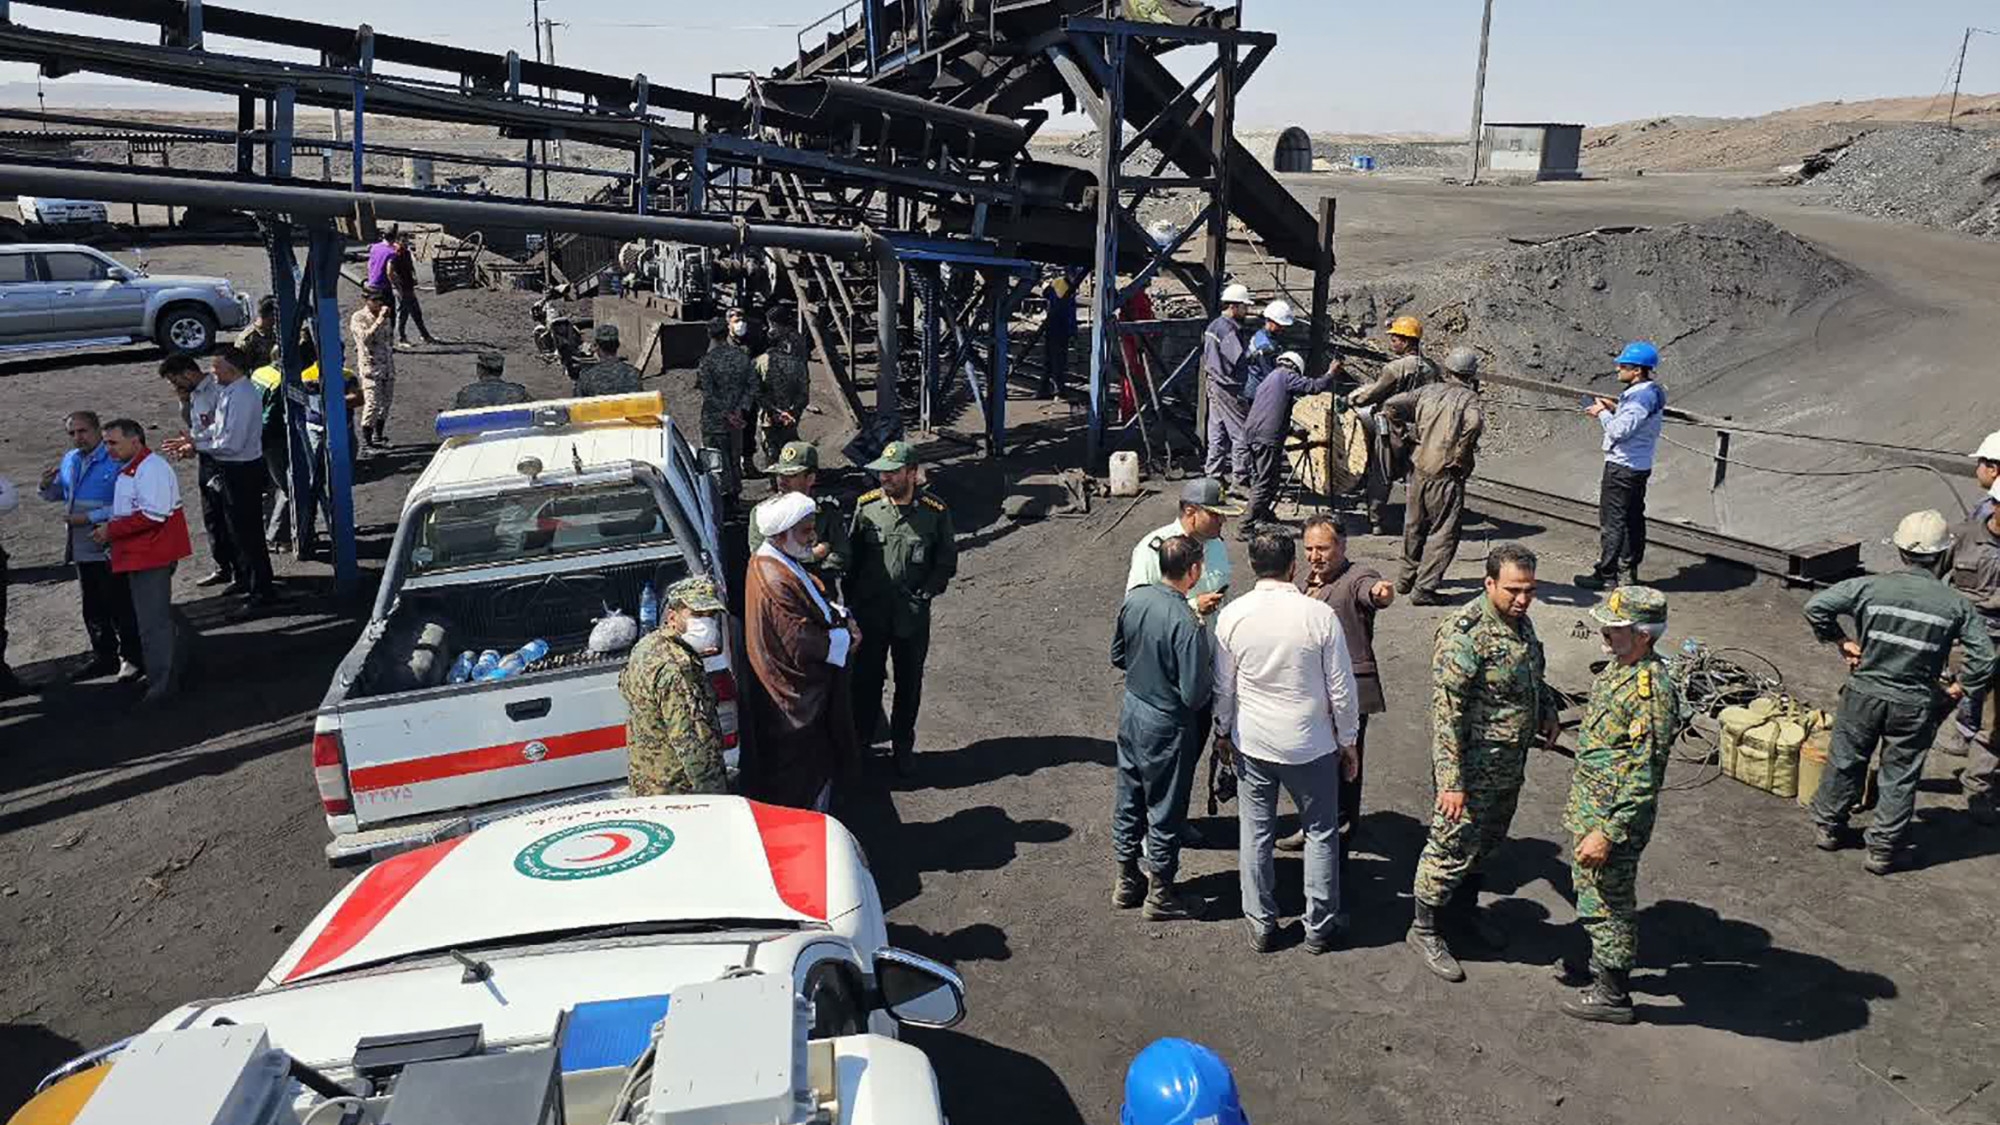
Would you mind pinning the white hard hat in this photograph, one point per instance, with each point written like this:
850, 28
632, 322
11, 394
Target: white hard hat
1236, 294
1297, 362
1989, 450
1279, 312
1924, 533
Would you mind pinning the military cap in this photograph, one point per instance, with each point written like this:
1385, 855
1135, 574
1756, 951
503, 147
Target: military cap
797, 457
694, 594
606, 334
1632, 605
491, 361
895, 455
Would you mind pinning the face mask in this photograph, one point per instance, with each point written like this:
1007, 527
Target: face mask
739, 329
702, 634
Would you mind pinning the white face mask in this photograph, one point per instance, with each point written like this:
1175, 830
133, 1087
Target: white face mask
702, 633
739, 328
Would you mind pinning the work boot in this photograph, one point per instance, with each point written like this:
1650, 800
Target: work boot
1829, 837
1165, 903
1430, 944
220, 576
1605, 1001
1427, 597
1474, 922
98, 667
1130, 889
1405, 585
1296, 842
129, 672
1595, 580
1378, 520
1880, 861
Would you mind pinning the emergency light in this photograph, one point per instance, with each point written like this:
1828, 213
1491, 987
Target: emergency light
648, 406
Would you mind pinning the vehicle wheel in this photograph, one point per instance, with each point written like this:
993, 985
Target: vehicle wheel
186, 330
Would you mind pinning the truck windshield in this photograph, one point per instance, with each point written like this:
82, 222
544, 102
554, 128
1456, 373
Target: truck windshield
521, 526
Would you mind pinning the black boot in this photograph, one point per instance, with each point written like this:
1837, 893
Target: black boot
1880, 861
1475, 923
1130, 889
1430, 945
1164, 903
1605, 1001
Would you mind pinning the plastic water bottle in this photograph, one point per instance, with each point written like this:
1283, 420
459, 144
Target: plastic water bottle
483, 667
461, 669
649, 609
516, 662
1690, 648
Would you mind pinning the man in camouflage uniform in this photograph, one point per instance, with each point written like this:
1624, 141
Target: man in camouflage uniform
797, 470
673, 738
489, 389
786, 383
260, 339
1629, 727
904, 555
1488, 701
728, 385
610, 375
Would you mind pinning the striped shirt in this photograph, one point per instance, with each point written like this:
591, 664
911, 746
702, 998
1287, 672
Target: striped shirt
1906, 623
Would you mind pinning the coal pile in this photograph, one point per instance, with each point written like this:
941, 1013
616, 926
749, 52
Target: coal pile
1931, 175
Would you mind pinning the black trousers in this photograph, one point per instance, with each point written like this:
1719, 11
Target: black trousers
4, 673
242, 504
1055, 362
1267, 473
214, 518
107, 612
1621, 519
407, 310
871, 673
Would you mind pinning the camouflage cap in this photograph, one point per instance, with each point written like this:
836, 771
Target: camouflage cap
1632, 605
695, 594
605, 334
895, 455
797, 457
491, 361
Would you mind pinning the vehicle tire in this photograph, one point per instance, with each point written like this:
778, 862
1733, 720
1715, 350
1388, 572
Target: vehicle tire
185, 329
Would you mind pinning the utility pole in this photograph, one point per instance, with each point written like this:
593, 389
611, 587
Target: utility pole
549, 31
1479, 94
1960, 76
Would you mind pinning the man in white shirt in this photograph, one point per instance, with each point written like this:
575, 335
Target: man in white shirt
1286, 704
226, 428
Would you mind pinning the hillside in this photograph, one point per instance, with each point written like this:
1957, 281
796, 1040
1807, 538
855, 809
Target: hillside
1766, 143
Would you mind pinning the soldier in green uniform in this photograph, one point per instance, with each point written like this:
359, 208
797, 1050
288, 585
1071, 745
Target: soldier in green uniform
1629, 727
260, 340
1488, 701
673, 738
610, 375
797, 470
728, 385
490, 389
903, 555
786, 382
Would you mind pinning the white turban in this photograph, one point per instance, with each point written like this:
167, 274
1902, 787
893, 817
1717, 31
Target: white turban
783, 513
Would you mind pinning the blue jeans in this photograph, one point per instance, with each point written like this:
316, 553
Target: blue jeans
1154, 779
1315, 789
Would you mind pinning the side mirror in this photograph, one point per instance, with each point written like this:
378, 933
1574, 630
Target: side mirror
118, 273
712, 460
917, 990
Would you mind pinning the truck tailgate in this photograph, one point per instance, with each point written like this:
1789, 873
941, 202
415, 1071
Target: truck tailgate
463, 746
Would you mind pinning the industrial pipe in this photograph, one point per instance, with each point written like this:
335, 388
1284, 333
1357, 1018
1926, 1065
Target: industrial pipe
307, 202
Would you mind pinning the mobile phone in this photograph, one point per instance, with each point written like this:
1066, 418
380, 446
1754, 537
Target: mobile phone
1586, 401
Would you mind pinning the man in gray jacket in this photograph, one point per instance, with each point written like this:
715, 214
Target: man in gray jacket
1446, 422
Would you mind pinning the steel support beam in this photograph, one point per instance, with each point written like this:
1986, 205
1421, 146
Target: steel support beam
1322, 279
323, 264
1104, 295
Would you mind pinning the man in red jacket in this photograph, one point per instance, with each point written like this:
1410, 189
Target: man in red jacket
148, 535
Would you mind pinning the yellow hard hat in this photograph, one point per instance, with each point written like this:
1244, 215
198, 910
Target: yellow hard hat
1407, 326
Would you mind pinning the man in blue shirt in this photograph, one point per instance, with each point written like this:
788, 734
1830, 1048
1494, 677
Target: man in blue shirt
83, 483
1631, 433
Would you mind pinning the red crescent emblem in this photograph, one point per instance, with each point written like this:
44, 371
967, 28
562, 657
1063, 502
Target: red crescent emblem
619, 843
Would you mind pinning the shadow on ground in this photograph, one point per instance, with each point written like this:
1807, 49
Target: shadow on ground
29, 1051
993, 1084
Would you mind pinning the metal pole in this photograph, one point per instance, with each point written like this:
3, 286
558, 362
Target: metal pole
246, 123
1322, 278
360, 104
1960, 76
324, 264
1104, 328
1479, 94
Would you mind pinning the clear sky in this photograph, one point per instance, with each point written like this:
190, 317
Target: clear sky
1342, 66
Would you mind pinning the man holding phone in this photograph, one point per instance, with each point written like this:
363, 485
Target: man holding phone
1631, 424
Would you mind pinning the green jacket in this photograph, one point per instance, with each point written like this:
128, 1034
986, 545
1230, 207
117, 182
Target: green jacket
900, 557
1628, 731
1906, 623
1488, 698
673, 736
831, 524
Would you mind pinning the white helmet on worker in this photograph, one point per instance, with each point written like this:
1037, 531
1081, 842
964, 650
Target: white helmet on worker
1236, 294
1279, 312
1989, 450
1923, 533
1462, 362
1293, 360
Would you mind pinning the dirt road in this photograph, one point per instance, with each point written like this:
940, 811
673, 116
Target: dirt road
145, 861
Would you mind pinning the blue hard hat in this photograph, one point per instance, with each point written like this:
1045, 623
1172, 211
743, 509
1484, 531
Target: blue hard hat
1639, 353
1175, 1082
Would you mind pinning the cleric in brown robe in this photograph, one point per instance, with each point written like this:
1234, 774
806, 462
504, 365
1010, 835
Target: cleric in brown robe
799, 642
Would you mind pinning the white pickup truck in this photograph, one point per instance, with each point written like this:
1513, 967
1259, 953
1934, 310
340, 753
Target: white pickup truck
527, 525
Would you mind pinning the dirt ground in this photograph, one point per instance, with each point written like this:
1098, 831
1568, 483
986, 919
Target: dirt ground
144, 861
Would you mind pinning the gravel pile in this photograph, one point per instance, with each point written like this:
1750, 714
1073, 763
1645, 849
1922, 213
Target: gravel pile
1932, 175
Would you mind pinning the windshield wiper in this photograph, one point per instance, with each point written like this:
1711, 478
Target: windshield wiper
476, 971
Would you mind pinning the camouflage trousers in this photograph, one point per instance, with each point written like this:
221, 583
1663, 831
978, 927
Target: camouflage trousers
1458, 848
1607, 903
